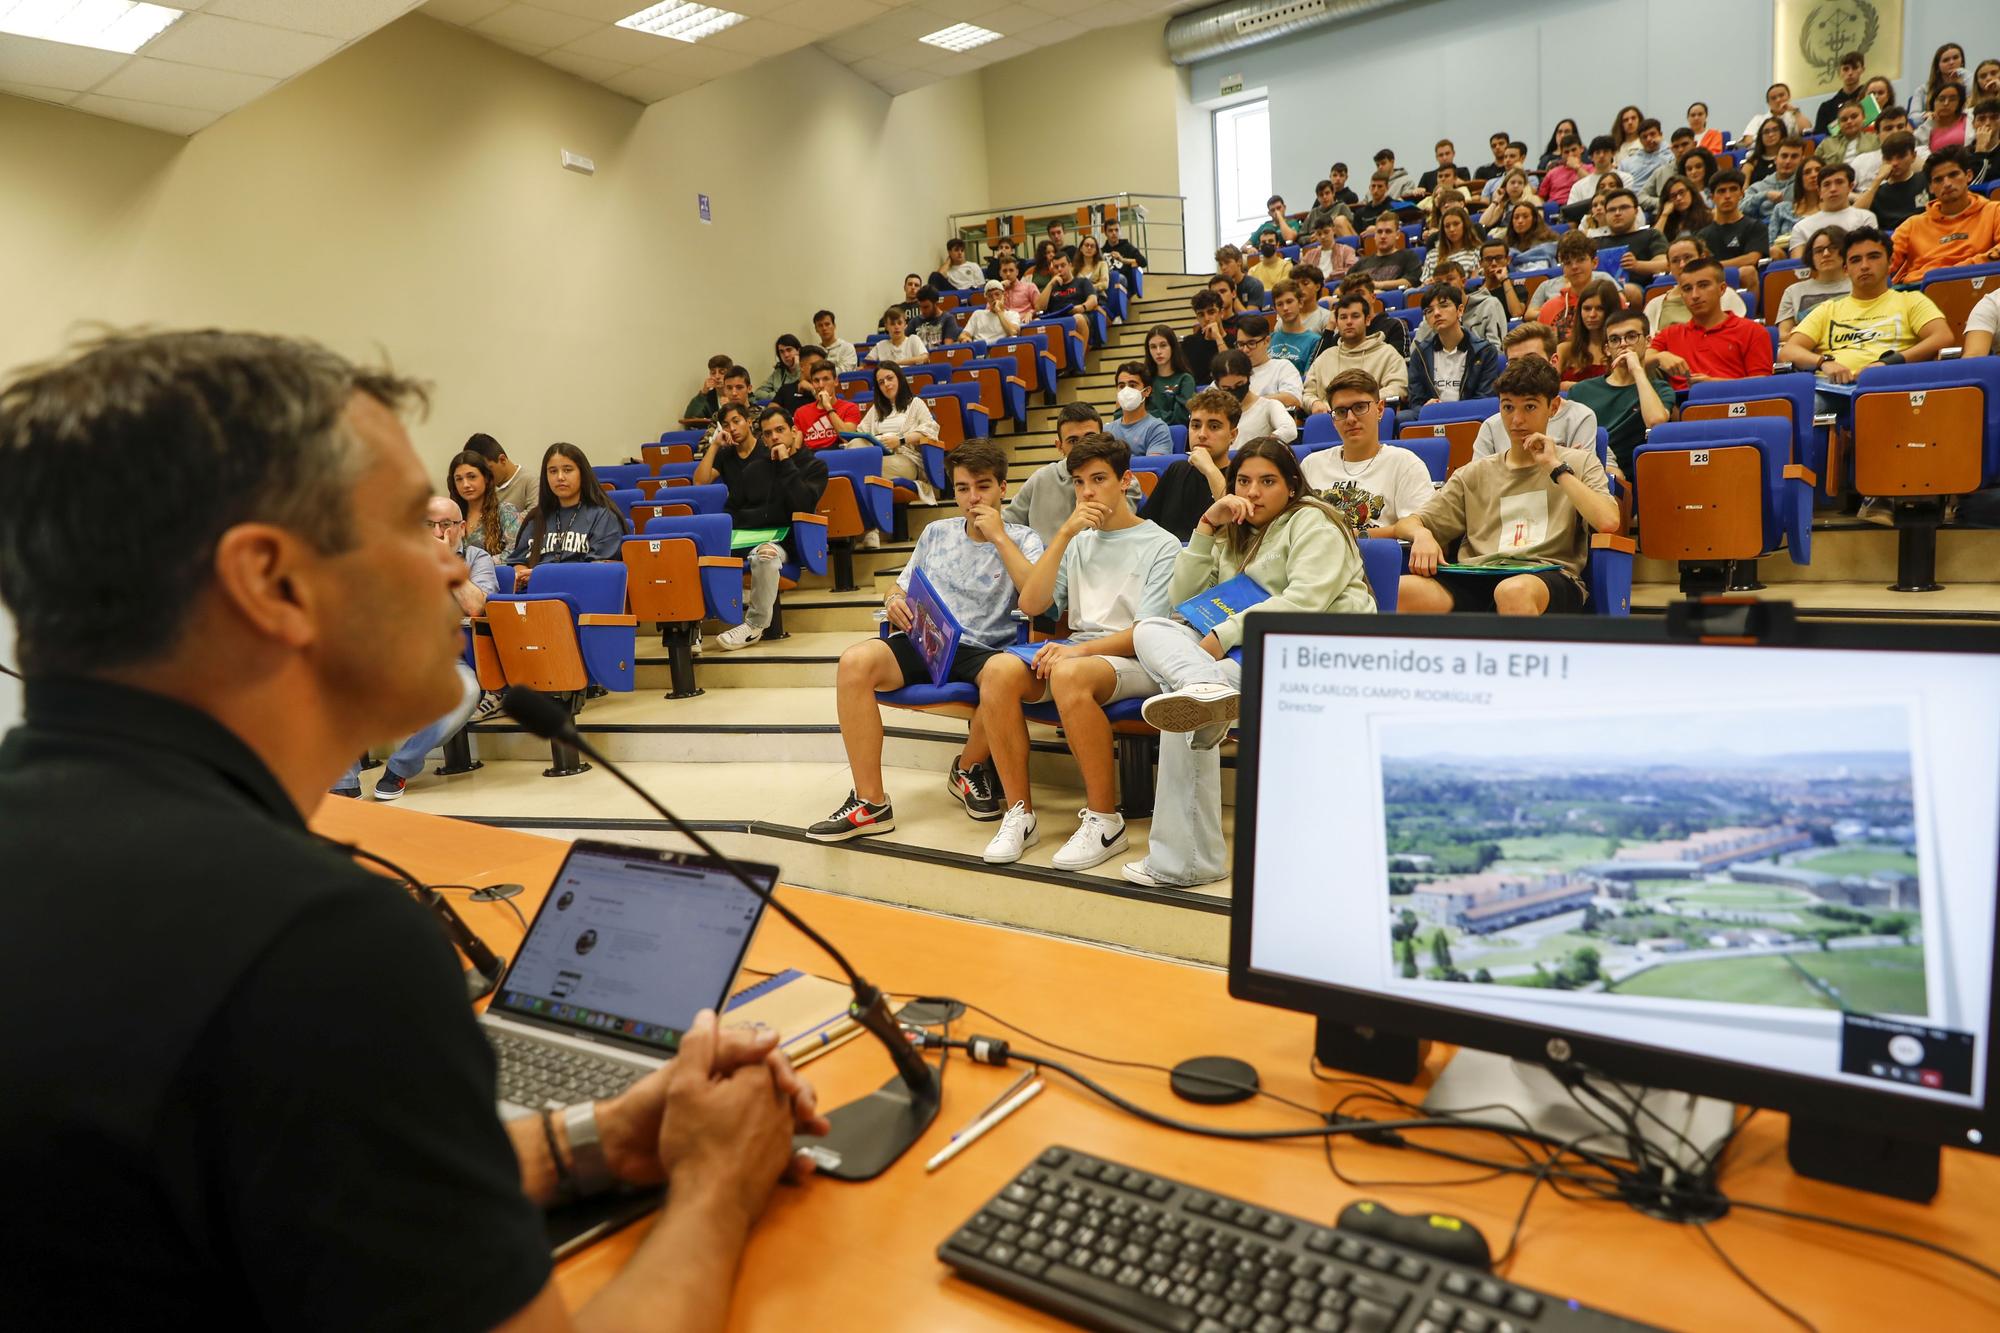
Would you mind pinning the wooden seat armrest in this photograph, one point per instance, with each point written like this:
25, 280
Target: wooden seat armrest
878, 481
1800, 472
719, 561
1606, 541
599, 618
809, 518
1016, 379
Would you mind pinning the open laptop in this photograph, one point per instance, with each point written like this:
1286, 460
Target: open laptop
630, 944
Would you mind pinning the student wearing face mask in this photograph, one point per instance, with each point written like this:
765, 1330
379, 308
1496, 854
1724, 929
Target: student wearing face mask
1142, 432
1261, 416
1271, 267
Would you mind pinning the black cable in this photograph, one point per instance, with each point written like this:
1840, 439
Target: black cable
6, 670
508, 903
1751, 1282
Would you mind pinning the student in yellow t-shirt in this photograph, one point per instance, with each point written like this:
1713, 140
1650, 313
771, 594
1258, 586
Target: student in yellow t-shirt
1871, 325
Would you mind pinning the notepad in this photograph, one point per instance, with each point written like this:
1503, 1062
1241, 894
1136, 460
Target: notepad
1499, 565
744, 538
1205, 610
810, 1014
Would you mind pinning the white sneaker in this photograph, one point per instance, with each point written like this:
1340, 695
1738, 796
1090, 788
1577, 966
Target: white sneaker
1879, 512
1201, 705
739, 636
927, 493
1135, 872
871, 540
695, 647
1096, 839
1017, 834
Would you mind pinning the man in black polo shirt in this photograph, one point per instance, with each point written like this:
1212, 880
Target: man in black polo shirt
1069, 296
244, 1088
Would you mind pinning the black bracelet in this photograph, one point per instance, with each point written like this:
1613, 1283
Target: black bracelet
565, 1183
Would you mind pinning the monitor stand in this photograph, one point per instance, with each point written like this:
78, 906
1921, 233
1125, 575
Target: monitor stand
1473, 1079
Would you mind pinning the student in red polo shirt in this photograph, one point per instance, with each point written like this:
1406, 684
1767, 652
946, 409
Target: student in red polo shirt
821, 420
1713, 344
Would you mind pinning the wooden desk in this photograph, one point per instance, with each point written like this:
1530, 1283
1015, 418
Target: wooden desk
839, 1256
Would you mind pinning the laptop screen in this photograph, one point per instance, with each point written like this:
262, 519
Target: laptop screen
631, 944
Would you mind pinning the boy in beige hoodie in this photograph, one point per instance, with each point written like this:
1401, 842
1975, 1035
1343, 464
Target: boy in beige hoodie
1357, 349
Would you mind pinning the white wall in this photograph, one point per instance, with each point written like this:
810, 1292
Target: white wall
1462, 69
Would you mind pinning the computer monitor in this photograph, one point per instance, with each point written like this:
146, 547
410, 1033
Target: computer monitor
1759, 872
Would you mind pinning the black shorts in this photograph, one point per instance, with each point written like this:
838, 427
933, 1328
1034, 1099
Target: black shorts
966, 663
1474, 592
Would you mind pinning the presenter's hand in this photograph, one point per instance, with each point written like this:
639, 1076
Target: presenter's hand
726, 1135
630, 1123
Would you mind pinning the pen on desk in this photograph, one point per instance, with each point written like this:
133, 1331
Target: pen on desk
973, 1132
1026, 1078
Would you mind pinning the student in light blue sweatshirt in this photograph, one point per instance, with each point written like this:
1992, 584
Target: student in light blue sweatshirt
1136, 425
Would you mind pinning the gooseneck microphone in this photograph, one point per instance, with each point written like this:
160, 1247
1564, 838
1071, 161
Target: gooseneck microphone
487, 967
866, 1135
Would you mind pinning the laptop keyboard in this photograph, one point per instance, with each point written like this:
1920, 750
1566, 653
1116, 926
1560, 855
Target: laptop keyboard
539, 1073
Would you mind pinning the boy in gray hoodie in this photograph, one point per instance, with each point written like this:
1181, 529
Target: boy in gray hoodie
1356, 349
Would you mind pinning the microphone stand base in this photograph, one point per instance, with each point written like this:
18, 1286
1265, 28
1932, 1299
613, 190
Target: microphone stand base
868, 1135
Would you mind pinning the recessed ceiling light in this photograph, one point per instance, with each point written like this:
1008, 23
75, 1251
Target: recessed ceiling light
108, 25
961, 37
682, 21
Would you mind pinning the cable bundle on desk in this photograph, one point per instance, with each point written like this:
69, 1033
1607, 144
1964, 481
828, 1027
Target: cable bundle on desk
1644, 1178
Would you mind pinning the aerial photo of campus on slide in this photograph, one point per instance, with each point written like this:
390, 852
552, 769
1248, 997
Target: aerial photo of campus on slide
1760, 858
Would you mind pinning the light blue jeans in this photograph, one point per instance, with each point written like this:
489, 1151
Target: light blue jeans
408, 761
1187, 846
764, 563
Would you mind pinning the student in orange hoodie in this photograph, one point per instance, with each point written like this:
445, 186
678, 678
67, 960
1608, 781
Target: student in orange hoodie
1958, 227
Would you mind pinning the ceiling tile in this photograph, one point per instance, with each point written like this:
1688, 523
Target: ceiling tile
961, 11
55, 64
172, 119
759, 37
1014, 18
828, 16
1048, 34
875, 69
649, 85
35, 92
1005, 49
465, 13
698, 62
147, 80
583, 66
536, 49
531, 26
603, 11
845, 48
1106, 14
1052, 8
909, 24
620, 44
345, 19
239, 47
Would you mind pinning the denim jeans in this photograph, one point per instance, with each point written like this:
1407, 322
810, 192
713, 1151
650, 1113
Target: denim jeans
764, 562
1187, 846
408, 760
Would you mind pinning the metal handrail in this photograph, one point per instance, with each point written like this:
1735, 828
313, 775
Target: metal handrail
1144, 222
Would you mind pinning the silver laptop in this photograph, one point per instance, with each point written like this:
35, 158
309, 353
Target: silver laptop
630, 944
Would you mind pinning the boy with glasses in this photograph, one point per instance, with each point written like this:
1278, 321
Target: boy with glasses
1374, 484
1628, 399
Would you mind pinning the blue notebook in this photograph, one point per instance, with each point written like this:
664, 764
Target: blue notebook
1206, 610
933, 628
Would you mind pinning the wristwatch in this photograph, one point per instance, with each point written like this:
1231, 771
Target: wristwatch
1558, 472
586, 1152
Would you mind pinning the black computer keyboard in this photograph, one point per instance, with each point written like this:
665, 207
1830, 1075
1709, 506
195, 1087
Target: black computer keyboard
1109, 1247
540, 1073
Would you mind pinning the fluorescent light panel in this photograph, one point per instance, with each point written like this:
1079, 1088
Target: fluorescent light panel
107, 25
961, 37
682, 21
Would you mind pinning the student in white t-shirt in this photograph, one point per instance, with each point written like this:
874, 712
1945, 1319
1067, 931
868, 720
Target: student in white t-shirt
1270, 376
897, 344
1836, 190
1571, 425
1981, 326
1261, 416
1373, 484
1105, 570
991, 321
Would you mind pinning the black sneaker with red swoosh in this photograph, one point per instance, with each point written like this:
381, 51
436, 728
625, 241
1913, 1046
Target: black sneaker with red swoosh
856, 818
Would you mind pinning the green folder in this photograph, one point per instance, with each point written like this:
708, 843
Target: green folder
1499, 564
744, 538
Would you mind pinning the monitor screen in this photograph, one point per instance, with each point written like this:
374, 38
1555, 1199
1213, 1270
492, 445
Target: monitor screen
632, 944
1776, 860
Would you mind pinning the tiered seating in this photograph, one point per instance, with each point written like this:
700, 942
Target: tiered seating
567, 634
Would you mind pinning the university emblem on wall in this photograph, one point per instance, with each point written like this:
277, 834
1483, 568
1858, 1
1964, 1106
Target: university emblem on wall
1812, 36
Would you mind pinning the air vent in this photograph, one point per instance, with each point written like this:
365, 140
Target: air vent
1283, 14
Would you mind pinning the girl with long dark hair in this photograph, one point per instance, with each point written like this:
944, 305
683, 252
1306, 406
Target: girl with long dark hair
1302, 553
491, 523
1169, 385
572, 521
